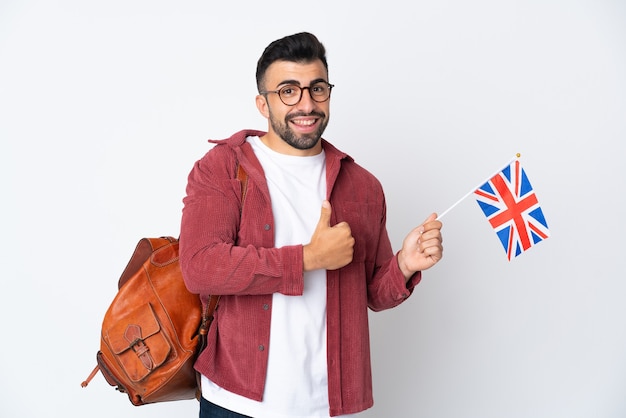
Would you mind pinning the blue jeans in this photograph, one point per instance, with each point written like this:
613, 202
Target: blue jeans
210, 410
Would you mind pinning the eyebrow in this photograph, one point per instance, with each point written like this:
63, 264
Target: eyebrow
297, 83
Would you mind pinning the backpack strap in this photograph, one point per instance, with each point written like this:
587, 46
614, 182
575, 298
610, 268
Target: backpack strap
242, 176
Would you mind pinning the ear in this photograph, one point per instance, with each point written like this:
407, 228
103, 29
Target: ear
261, 104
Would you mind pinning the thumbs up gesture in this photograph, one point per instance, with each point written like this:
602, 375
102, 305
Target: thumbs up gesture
331, 247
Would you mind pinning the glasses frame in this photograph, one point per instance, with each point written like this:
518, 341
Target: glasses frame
330, 90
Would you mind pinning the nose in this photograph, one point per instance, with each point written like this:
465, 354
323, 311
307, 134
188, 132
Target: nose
306, 100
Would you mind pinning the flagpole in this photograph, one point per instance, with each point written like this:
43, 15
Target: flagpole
479, 184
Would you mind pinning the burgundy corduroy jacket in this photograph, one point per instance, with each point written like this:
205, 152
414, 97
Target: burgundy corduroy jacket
223, 252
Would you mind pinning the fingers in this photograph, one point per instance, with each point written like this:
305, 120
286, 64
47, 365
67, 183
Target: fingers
430, 218
429, 229
325, 215
430, 223
331, 247
430, 232
422, 247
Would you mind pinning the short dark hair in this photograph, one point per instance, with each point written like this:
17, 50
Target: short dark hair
300, 47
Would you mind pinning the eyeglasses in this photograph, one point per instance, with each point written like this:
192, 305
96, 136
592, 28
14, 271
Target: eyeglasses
291, 94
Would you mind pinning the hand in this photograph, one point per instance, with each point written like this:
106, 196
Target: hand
422, 248
331, 247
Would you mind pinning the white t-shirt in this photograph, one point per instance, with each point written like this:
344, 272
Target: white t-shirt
297, 377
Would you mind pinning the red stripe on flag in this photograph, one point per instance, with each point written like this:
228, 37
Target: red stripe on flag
537, 231
486, 195
514, 210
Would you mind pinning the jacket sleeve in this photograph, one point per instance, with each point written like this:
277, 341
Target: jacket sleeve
387, 286
214, 258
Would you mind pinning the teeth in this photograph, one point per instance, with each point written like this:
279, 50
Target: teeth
307, 122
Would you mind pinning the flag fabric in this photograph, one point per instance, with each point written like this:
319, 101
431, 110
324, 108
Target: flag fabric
511, 207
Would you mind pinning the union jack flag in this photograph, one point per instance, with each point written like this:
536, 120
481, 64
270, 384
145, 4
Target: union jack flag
511, 207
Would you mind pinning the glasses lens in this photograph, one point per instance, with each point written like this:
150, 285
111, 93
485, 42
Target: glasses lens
320, 92
290, 95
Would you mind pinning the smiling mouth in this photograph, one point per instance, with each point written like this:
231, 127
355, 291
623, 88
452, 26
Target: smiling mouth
303, 122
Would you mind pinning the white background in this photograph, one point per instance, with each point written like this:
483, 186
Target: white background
105, 106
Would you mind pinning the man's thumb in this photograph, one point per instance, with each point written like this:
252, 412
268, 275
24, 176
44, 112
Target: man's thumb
432, 217
325, 216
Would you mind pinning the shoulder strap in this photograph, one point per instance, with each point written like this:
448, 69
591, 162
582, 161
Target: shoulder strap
242, 176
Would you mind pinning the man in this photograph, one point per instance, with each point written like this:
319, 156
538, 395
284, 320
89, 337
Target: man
290, 336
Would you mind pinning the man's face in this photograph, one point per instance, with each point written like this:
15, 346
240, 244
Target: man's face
296, 129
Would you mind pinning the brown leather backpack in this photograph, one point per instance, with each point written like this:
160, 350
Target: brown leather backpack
154, 329
151, 331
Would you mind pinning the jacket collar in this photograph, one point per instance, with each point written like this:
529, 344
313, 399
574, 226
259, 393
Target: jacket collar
238, 139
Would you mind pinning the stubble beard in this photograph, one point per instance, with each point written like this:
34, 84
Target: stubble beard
302, 142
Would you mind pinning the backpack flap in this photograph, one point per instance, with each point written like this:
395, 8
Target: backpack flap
137, 342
